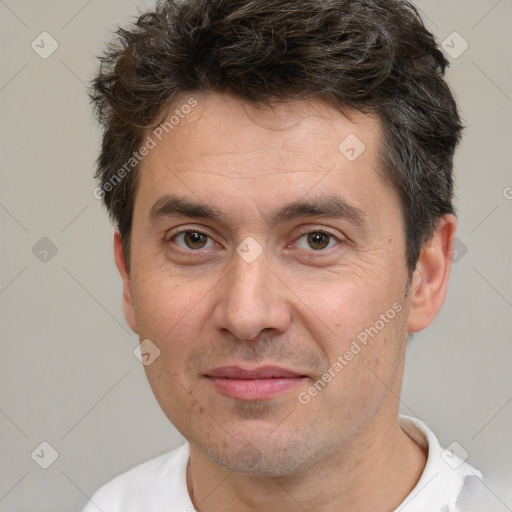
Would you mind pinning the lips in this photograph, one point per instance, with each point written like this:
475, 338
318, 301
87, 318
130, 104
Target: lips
257, 384
264, 372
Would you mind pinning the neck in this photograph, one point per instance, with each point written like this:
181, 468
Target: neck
375, 471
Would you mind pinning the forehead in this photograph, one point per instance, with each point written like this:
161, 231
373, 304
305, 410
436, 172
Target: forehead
223, 127
211, 142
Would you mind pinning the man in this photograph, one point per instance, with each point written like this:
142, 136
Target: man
280, 174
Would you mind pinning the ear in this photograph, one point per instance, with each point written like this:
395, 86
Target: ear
129, 312
430, 278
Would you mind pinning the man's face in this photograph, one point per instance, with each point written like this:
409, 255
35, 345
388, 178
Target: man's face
253, 306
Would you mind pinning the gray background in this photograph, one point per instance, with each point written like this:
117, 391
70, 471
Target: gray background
67, 370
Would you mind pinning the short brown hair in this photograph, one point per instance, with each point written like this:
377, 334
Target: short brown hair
371, 55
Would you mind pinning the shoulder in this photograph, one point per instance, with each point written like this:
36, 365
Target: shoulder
476, 495
445, 474
147, 486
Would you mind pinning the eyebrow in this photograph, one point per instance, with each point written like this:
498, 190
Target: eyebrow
329, 206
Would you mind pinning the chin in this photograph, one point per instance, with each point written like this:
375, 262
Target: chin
254, 455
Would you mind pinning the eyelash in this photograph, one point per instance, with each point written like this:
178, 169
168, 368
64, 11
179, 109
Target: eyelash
302, 234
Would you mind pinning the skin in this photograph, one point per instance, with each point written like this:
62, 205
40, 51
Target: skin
298, 305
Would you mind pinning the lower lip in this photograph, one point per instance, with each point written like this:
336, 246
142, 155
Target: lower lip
254, 389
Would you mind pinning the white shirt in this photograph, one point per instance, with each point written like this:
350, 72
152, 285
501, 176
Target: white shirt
447, 484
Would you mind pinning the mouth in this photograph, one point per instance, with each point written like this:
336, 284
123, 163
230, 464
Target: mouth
258, 384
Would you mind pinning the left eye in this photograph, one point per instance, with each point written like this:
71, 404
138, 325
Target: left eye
193, 240
318, 240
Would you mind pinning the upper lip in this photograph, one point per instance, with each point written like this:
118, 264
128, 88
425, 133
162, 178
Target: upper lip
263, 372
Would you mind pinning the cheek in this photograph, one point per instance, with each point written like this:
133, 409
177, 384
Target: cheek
167, 310
168, 314
361, 321
343, 303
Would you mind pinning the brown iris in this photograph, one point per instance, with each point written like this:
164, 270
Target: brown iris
318, 238
195, 240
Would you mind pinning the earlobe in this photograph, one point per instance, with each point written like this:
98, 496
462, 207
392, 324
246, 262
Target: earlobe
129, 312
430, 278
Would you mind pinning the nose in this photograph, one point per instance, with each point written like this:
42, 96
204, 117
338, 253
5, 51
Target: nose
251, 298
